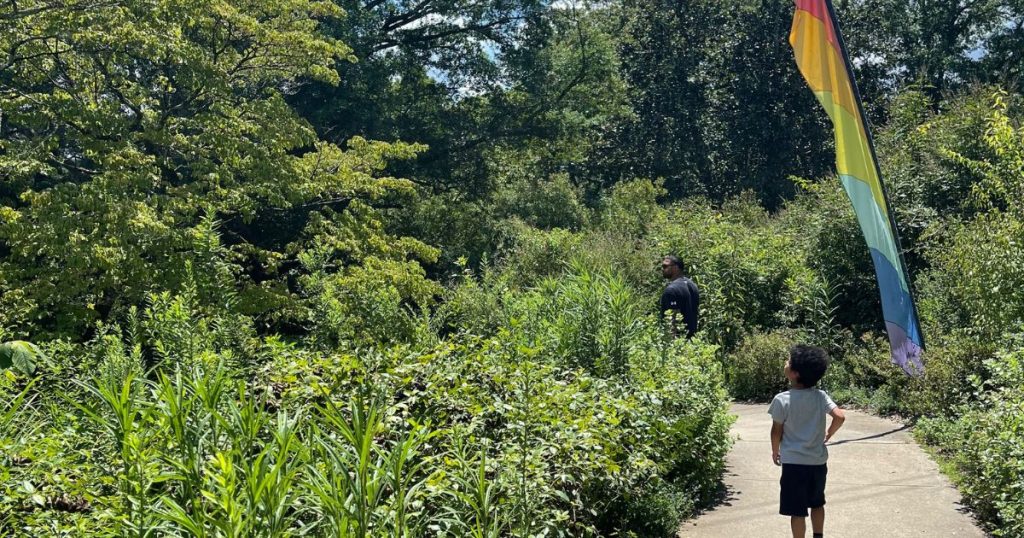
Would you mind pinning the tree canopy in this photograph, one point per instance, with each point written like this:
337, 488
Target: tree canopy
143, 140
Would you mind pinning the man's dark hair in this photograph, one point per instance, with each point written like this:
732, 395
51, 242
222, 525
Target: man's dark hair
809, 362
674, 260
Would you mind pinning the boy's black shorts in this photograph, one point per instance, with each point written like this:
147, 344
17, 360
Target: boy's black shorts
803, 487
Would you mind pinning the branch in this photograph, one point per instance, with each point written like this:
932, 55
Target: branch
333, 203
409, 38
79, 169
12, 59
584, 63
15, 14
57, 5
117, 93
417, 12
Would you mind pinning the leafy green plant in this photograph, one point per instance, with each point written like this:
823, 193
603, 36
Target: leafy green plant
16, 403
756, 367
118, 411
594, 317
476, 509
368, 487
985, 443
21, 356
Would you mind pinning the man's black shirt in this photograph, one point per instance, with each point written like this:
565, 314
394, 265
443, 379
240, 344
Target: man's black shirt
681, 295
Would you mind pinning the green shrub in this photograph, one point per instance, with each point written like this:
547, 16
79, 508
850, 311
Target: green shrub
637, 260
947, 381
593, 321
985, 443
868, 361
827, 233
631, 208
862, 374
751, 271
946, 435
993, 465
472, 304
925, 181
465, 227
535, 254
548, 203
569, 451
378, 303
756, 367
500, 435
977, 277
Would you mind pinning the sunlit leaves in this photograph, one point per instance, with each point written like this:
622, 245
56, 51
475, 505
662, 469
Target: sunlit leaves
20, 355
136, 132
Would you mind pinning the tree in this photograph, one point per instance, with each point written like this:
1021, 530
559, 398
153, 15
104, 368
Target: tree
1003, 62
148, 144
665, 51
772, 127
426, 70
719, 105
934, 43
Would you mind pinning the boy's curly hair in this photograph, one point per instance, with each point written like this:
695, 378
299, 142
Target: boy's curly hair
809, 362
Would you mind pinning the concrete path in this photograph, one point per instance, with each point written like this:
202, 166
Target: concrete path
880, 484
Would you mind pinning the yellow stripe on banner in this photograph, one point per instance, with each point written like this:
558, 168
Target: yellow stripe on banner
853, 153
821, 63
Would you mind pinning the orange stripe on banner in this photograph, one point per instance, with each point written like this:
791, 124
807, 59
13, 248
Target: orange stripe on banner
820, 62
819, 10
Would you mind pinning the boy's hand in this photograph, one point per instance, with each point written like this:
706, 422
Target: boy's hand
838, 417
777, 429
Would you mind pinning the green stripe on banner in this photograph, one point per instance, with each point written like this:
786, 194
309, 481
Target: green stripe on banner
873, 223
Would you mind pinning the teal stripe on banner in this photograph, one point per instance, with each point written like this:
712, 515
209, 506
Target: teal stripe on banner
874, 224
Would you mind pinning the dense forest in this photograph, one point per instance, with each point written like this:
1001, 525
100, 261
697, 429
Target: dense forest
391, 267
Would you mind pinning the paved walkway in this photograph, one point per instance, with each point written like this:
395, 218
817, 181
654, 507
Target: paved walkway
880, 484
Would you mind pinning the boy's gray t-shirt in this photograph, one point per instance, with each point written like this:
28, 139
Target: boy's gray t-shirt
802, 415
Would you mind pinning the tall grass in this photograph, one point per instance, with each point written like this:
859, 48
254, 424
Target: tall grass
201, 456
596, 320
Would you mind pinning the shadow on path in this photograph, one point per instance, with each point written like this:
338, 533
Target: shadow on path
869, 437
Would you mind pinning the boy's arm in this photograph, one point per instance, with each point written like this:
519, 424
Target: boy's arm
838, 417
776, 442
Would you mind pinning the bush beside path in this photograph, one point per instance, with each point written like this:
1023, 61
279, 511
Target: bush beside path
880, 483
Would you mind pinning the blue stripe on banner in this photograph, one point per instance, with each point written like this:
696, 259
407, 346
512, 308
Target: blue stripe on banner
896, 306
875, 225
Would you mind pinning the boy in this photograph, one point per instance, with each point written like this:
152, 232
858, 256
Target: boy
799, 437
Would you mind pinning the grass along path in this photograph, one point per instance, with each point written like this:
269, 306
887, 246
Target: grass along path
880, 484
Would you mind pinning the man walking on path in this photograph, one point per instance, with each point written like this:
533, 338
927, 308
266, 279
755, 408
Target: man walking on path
799, 436
680, 296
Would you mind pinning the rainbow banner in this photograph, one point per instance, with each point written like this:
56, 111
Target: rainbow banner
821, 57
